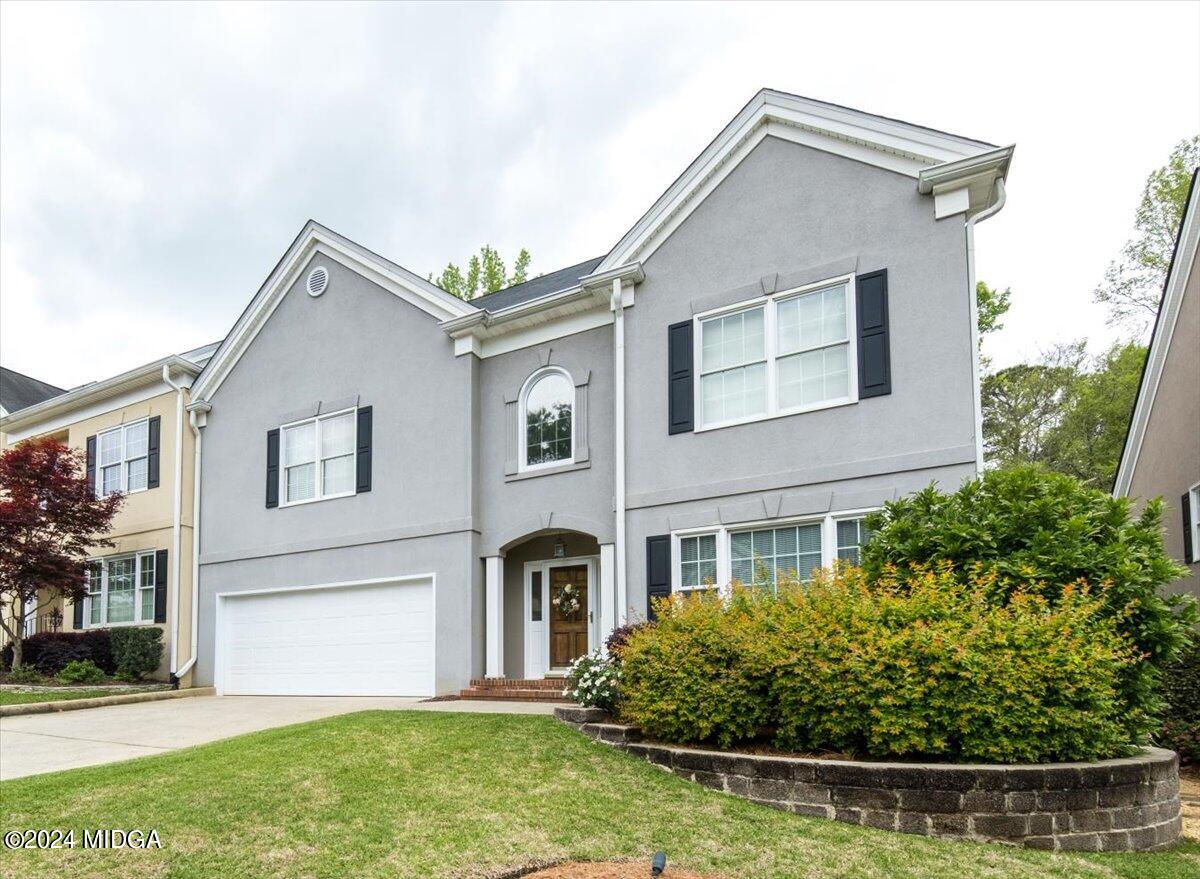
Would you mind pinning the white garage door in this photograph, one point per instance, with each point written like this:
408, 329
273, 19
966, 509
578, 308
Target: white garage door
357, 640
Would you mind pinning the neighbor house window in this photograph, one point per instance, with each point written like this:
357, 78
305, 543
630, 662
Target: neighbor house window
762, 556
123, 463
790, 352
548, 406
120, 590
318, 458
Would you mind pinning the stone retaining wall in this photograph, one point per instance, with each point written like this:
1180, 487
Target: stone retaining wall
1112, 805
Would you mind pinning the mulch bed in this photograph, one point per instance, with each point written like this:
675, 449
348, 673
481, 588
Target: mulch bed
1189, 799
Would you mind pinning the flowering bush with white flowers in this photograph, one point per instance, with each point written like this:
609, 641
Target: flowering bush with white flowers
594, 681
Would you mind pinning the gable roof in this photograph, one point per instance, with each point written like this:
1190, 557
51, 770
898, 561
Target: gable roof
17, 390
535, 288
317, 239
876, 140
1183, 258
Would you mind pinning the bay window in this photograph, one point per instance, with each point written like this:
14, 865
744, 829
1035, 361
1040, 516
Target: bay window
319, 458
789, 352
120, 590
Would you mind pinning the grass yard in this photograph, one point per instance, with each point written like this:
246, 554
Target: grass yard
416, 794
9, 697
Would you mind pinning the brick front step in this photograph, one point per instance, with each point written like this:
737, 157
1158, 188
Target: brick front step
555, 684
511, 696
516, 690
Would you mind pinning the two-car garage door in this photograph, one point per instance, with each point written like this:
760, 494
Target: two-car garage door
372, 639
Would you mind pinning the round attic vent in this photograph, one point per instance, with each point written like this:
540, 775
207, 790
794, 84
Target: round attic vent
318, 280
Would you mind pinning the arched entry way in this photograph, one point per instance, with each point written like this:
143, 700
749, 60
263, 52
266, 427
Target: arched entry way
549, 600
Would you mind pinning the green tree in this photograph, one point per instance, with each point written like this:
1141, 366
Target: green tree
1133, 283
1087, 442
991, 305
486, 273
1024, 404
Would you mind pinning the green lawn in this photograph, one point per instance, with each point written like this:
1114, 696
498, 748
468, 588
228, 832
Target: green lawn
417, 794
8, 697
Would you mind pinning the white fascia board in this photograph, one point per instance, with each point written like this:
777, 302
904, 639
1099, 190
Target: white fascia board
96, 398
1160, 345
316, 239
886, 143
972, 180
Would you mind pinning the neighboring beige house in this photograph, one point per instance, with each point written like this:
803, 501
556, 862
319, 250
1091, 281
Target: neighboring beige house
1162, 450
134, 430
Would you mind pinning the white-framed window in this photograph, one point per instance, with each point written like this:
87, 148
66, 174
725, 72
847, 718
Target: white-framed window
120, 591
547, 420
789, 352
1194, 519
319, 460
758, 554
122, 458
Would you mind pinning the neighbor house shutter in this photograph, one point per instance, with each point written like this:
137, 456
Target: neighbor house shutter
77, 621
273, 468
154, 433
874, 359
91, 470
679, 377
363, 482
658, 570
1189, 551
160, 586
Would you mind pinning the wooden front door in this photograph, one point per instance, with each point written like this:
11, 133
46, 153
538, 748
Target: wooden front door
568, 614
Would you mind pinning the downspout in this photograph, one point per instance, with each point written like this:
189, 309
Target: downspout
619, 444
177, 518
197, 440
969, 225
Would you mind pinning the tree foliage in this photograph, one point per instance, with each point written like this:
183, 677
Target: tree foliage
50, 521
1132, 285
991, 305
486, 273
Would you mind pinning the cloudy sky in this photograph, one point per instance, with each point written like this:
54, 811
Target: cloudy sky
156, 160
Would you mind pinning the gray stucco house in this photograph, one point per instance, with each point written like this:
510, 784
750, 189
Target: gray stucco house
402, 491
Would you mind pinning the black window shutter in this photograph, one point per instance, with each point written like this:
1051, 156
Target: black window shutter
658, 570
77, 621
874, 359
364, 450
154, 433
1189, 551
273, 468
679, 377
91, 478
160, 586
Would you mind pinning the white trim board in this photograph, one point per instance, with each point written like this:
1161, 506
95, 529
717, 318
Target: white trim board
1160, 345
316, 239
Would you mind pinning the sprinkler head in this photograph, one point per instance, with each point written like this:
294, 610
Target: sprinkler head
658, 863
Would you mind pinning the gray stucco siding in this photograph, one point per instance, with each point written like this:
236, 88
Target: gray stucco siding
786, 209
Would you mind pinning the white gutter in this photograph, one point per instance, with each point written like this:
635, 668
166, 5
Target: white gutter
969, 226
619, 443
196, 435
177, 517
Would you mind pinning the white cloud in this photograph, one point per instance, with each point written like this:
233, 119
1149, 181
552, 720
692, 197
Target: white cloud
156, 160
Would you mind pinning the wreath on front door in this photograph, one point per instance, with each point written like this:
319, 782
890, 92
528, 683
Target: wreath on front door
566, 599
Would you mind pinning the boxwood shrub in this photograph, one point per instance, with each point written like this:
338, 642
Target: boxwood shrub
1039, 530
136, 651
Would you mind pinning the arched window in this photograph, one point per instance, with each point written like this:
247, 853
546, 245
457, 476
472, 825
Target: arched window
548, 410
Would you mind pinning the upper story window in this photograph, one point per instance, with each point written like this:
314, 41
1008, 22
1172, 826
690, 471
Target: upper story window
786, 353
318, 458
548, 408
120, 591
123, 458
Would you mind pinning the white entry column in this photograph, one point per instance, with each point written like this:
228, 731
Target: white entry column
608, 590
493, 570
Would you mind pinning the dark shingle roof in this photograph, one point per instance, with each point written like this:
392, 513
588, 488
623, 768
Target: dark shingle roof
536, 288
18, 391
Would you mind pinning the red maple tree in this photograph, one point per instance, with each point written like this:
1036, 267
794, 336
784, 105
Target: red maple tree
50, 520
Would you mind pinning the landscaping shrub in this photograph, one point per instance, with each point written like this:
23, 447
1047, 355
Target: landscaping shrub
594, 680
929, 666
59, 648
136, 651
620, 636
694, 675
1039, 530
26, 674
80, 672
1181, 695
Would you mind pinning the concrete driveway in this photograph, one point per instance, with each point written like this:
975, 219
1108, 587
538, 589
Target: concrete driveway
36, 743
